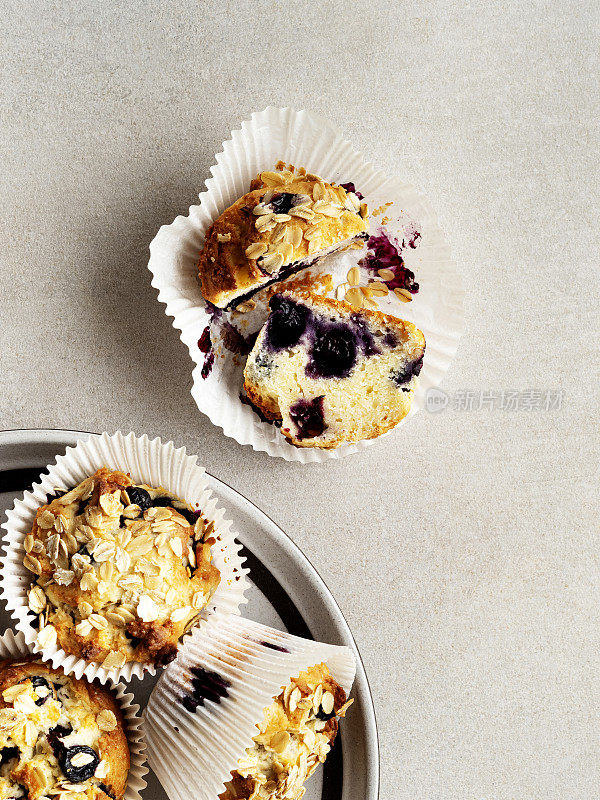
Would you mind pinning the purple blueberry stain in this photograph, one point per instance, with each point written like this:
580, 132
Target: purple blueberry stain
365, 337
206, 685
408, 371
204, 342
385, 253
277, 647
208, 365
235, 341
308, 417
413, 234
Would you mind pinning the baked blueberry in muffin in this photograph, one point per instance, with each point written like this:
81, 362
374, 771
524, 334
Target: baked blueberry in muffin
59, 736
330, 373
121, 570
295, 735
288, 221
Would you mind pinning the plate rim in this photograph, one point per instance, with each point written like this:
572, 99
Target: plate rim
61, 436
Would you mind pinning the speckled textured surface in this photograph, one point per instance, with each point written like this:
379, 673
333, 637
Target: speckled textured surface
462, 550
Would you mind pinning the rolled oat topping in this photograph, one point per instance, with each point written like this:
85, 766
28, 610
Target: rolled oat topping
121, 571
296, 734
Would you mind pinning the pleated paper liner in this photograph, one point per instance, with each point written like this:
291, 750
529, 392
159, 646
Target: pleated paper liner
303, 139
14, 646
147, 461
193, 753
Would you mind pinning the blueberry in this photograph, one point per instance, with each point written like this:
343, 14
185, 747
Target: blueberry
55, 735
8, 753
191, 516
308, 417
333, 354
83, 504
133, 640
58, 493
350, 187
60, 731
287, 322
106, 789
282, 202
78, 774
36, 681
325, 717
162, 501
139, 497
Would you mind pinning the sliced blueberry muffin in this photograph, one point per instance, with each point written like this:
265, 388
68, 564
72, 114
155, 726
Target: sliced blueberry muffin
59, 736
331, 374
121, 570
288, 221
295, 736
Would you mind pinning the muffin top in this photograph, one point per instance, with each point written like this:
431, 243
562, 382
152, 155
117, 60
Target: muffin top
122, 570
287, 221
59, 736
295, 735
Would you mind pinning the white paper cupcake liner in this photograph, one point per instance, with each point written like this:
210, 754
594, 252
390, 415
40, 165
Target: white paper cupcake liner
147, 461
193, 754
13, 646
305, 140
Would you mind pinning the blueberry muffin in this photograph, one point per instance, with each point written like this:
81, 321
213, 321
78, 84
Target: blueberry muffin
121, 570
295, 736
288, 221
328, 373
59, 736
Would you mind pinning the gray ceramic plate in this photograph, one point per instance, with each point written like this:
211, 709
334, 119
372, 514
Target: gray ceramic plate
286, 592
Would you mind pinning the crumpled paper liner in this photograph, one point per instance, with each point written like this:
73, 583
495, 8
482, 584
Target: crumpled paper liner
307, 140
13, 646
193, 753
148, 461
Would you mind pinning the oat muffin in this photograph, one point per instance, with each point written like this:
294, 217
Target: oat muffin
122, 570
59, 736
295, 736
329, 373
289, 220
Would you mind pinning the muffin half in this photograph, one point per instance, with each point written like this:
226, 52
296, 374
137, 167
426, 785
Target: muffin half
288, 221
329, 373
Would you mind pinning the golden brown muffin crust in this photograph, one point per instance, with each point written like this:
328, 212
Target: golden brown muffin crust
295, 735
117, 582
251, 241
